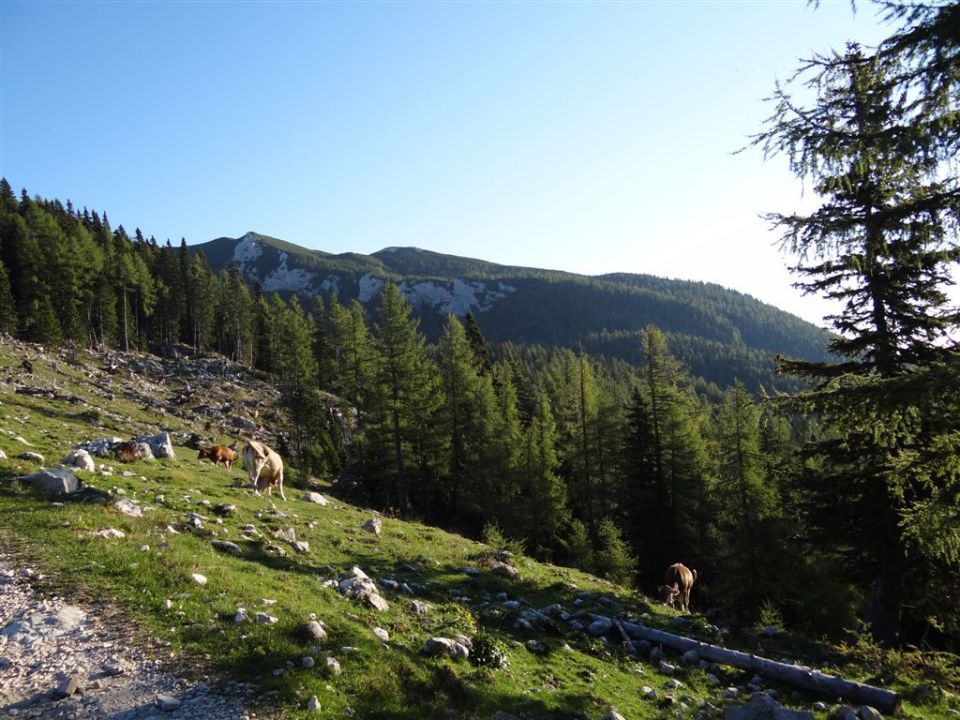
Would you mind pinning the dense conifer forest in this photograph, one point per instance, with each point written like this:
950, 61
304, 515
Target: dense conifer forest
833, 506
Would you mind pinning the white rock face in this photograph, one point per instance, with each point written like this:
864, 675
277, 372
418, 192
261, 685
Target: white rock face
461, 297
370, 287
248, 249
331, 283
284, 278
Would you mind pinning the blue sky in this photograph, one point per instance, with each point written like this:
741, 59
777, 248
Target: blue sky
588, 137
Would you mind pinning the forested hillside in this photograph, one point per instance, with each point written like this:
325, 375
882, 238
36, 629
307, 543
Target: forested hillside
720, 334
616, 467
834, 506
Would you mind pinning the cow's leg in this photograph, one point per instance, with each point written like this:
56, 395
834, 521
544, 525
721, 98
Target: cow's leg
256, 479
280, 485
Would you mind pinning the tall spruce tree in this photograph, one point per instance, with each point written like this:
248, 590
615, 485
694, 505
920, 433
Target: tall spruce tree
882, 242
408, 391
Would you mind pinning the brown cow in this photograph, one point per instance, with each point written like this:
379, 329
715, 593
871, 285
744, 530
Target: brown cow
127, 451
218, 454
678, 583
264, 464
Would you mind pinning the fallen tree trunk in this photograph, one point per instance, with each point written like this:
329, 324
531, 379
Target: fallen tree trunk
830, 685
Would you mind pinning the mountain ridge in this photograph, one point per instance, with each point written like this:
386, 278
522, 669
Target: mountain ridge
603, 314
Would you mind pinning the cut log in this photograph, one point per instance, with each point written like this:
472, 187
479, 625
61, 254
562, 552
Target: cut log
830, 685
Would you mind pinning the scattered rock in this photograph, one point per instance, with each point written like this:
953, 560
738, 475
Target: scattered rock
666, 668
265, 619
307, 661
160, 445
109, 533
372, 526
648, 692
843, 712
288, 534
600, 626
128, 507
67, 687
301, 546
868, 712
199, 579
820, 706
333, 667
313, 704
501, 568
419, 608
613, 715
52, 481
763, 707
79, 459
314, 497
228, 547
167, 703
536, 647
442, 645
315, 631
382, 634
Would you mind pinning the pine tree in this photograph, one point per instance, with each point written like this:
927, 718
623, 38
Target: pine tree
408, 389
460, 414
745, 506
540, 509
883, 242
295, 361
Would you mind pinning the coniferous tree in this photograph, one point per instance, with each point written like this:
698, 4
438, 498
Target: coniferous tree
460, 414
294, 351
882, 242
541, 511
408, 392
744, 506
8, 314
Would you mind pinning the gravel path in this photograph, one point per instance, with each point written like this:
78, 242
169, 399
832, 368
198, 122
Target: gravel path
62, 661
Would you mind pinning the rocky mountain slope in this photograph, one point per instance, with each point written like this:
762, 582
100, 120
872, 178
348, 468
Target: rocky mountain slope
720, 333
313, 607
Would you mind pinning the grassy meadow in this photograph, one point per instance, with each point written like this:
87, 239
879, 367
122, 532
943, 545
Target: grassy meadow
146, 576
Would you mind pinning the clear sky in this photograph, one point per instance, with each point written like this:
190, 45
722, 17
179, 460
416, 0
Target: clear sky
589, 137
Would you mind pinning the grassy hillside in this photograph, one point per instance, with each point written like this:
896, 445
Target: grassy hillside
553, 670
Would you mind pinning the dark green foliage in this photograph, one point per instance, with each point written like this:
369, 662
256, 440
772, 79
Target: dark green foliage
578, 457
878, 143
8, 313
487, 651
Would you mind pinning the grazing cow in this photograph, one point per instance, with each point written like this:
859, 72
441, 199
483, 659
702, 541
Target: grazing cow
264, 464
218, 454
127, 451
678, 583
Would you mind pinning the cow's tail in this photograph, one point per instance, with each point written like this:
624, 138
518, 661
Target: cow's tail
694, 573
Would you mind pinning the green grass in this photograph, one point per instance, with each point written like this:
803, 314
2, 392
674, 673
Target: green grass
576, 676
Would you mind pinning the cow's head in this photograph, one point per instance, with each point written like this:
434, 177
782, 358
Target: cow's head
668, 593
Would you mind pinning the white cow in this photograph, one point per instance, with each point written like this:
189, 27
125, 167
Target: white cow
264, 464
